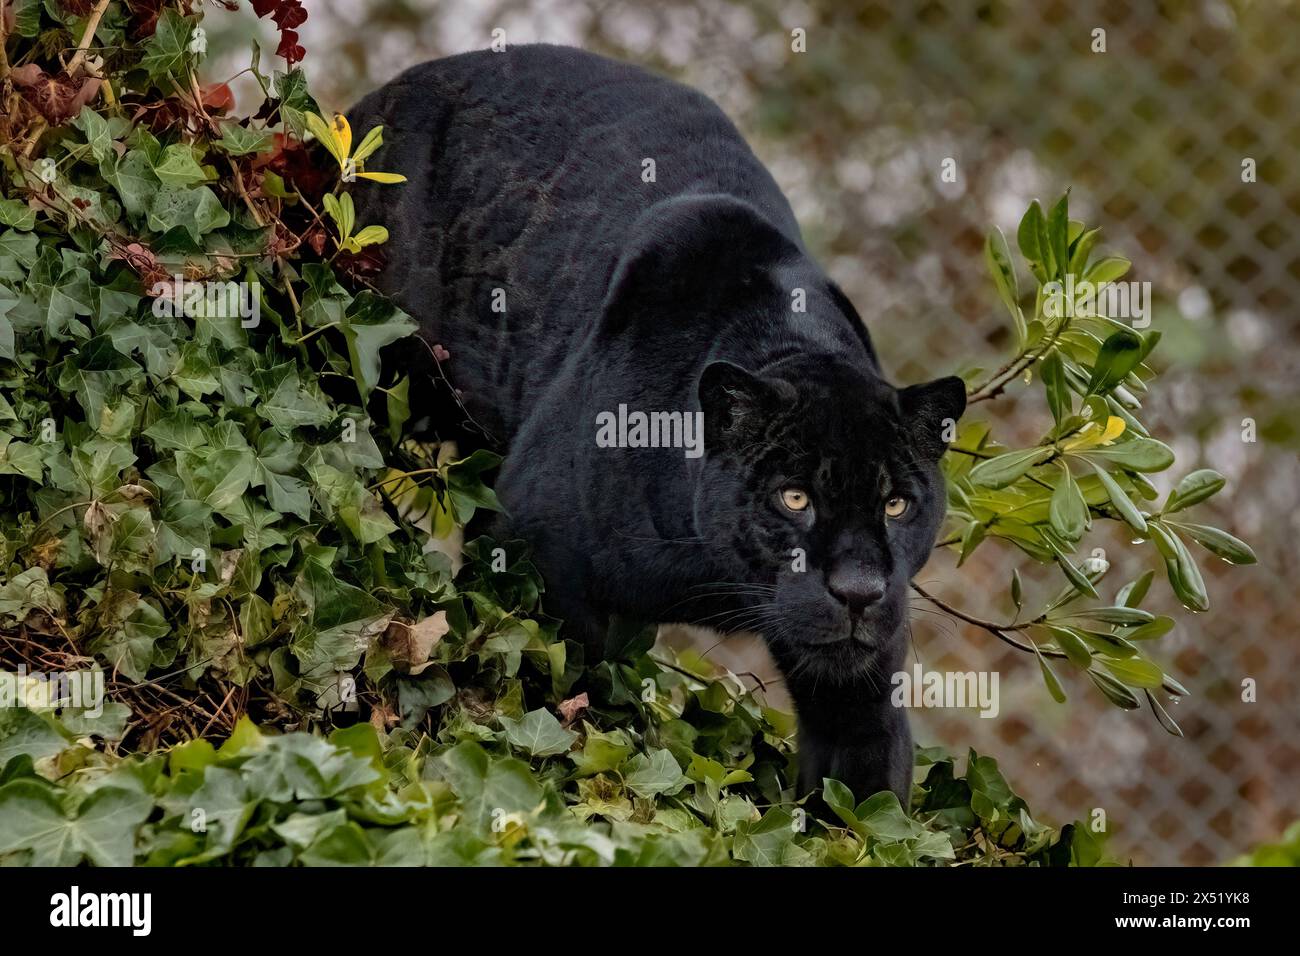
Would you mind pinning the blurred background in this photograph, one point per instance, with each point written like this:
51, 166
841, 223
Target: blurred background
1150, 135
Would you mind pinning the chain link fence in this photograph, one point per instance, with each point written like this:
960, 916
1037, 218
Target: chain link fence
1176, 126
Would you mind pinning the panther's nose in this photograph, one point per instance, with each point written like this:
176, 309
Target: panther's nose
857, 588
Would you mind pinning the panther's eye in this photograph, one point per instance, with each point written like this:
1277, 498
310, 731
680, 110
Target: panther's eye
796, 499
896, 507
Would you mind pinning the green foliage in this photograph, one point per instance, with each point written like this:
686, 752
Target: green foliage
1091, 465
208, 503
1285, 852
490, 789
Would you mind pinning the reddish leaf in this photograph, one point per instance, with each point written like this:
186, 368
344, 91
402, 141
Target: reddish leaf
144, 17
366, 264
297, 168
217, 97
570, 709
57, 98
289, 48
142, 262
290, 15
315, 238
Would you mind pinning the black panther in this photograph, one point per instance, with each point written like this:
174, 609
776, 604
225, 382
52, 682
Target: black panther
583, 234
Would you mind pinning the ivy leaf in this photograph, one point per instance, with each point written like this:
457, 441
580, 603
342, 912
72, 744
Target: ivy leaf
486, 786
27, 17
305, 767
655, 774
21, 246
465, 484
178, 167
25, 733
183, 528
992, 798
601, 751
239, 140
20, 458
371, 323
295, 101
131, 646
769, 842
93, 372
285, 493
62, 293
102, 829
95, 128
17, 214
165, 51
195, 208
538, 734
289, 405
133, 177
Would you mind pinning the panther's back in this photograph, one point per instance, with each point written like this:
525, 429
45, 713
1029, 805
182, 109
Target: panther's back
526, 175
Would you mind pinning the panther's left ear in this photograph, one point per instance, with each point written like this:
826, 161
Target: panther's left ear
930, 412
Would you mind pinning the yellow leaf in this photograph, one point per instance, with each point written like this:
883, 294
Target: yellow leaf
372, 141
371, 235
1084, 438
444, 522
343, 134
383, 177
1114, 428
321, 130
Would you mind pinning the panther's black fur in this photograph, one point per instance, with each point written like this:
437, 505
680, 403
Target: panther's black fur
529, 189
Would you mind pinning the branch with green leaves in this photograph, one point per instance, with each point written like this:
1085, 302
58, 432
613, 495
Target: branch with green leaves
1093, 464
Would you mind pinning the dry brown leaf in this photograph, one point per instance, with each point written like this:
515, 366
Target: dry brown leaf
409, 645
97, 521
570, 709
57, 98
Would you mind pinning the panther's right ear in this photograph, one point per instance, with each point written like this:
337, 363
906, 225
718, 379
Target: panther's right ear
688, 254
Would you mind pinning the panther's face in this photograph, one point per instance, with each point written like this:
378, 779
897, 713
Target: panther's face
820, 493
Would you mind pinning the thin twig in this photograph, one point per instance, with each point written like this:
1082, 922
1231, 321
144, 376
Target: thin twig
1000, 631
91, 26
